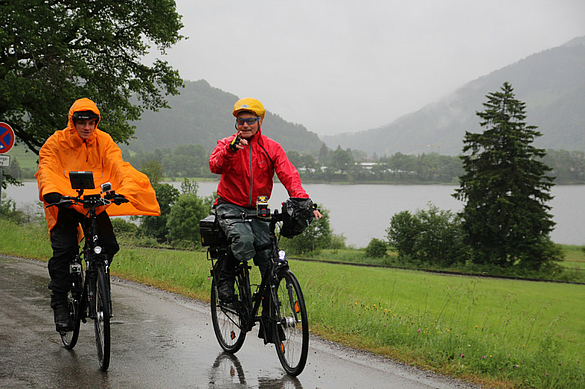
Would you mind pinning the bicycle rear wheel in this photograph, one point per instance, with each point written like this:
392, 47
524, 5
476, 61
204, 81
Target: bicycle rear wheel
69, 338
102, 317
227, 323
291, 327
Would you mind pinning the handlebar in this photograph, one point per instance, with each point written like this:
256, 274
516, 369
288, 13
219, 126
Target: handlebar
90, 201
276, 216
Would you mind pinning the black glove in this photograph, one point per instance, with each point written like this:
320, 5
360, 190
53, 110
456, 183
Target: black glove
119, 199
52, 198
115, 198
234, 143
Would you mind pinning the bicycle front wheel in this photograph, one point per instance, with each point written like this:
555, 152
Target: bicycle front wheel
69, 338
103, 312
227, 324
291, 327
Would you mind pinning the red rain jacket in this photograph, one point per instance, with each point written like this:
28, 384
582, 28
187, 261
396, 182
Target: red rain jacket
248, 173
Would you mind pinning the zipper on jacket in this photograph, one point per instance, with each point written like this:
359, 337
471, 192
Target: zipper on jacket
251, 176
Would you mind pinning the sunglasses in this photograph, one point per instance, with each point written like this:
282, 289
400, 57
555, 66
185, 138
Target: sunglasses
250, 121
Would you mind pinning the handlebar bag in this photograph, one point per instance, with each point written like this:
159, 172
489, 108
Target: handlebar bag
297, 215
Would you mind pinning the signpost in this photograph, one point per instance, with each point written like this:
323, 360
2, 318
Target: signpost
4, 160
6, 143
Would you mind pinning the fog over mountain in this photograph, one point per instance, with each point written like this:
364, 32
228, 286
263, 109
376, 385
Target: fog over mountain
551, 83
202, 114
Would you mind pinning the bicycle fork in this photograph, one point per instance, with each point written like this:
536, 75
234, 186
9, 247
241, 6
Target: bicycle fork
244, 299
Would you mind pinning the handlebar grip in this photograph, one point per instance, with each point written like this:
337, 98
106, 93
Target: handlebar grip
64, 202
119, 199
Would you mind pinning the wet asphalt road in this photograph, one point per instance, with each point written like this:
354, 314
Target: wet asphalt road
162, 340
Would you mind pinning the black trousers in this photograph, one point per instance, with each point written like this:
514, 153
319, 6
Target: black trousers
65, 247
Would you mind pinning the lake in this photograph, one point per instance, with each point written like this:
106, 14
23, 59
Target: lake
363, 212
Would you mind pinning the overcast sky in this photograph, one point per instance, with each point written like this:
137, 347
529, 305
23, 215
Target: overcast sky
344, 66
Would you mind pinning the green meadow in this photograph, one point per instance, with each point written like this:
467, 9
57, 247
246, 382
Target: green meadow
499, 333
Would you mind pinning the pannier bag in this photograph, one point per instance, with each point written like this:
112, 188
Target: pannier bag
210, 231
297, 215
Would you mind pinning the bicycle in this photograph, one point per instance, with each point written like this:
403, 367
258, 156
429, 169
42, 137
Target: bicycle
287, 313
89, 296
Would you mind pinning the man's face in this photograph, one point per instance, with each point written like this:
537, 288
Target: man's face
85, 127
247, 130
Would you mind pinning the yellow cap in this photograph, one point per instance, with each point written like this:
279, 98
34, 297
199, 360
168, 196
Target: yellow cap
249, 104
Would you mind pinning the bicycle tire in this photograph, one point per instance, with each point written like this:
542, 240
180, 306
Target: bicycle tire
69, 338
291, 327
227, 323
102, 303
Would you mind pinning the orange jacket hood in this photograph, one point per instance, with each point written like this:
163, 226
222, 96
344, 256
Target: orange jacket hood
83, 104
66, 151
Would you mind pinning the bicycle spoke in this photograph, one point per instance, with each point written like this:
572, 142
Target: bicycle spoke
291, 328
102, 318
226, 324
69, 338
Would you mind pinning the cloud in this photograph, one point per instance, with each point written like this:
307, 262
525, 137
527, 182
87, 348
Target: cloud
345, 66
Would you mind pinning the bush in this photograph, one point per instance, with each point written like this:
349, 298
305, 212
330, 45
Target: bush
376, 249
315, 237
432, 237
9, 211
156, 226
183, 221
402, 233
337, 241
123, 227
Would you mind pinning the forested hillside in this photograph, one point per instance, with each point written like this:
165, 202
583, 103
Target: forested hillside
551, 83
202, 114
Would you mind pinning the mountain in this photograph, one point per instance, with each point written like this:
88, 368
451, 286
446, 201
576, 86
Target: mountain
202, 114
551, 83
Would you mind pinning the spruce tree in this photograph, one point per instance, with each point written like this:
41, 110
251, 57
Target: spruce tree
506, 188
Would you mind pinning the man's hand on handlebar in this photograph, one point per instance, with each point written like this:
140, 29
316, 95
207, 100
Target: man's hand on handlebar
57, 199
115, 198
316, 212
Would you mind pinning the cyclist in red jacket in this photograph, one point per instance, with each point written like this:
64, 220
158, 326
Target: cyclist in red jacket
247, 162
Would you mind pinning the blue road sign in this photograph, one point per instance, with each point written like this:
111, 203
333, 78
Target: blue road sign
6, 138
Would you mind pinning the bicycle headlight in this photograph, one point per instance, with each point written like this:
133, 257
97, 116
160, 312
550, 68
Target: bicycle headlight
97, 249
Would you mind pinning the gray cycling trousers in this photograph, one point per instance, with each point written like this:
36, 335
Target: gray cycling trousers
249, 238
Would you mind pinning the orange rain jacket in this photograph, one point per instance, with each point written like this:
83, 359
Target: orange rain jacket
65, 151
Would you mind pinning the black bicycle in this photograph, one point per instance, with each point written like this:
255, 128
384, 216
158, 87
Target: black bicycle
287, 313
89, 296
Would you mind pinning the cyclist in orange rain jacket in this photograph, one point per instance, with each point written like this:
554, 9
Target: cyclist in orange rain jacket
83, 147
247, 162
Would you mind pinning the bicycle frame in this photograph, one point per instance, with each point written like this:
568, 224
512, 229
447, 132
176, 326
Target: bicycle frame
252, 303
90, 295
91, 262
